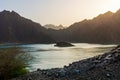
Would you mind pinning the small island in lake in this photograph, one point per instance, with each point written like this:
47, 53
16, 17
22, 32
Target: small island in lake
63, 44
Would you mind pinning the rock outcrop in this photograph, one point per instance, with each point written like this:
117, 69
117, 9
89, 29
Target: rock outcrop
101, 67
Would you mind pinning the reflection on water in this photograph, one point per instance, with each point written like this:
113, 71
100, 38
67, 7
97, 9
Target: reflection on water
47, 56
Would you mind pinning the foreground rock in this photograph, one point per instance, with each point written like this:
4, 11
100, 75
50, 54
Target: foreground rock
101, 67
63, 44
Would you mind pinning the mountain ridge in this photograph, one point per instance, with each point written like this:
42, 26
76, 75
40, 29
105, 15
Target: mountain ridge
17, 29
103, 29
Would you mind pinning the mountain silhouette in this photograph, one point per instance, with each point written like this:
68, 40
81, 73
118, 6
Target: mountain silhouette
105, 29
17, 29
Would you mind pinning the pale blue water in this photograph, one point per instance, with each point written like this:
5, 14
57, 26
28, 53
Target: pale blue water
46, 56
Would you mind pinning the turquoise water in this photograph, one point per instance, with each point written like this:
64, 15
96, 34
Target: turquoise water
46, 56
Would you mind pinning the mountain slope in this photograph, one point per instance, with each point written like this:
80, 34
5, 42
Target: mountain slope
104, 28
16, 29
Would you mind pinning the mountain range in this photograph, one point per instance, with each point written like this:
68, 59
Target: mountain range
105, 29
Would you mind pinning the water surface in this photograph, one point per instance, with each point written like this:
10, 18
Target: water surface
46, 56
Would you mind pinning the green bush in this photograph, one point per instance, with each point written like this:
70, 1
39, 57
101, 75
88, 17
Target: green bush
12, 63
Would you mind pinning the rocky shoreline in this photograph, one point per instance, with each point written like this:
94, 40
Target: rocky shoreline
101, 67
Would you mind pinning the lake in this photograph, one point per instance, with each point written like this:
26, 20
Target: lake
46, 56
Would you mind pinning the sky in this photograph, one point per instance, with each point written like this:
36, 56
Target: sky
56, 12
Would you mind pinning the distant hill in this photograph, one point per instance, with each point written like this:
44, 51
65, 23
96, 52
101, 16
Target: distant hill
17, 29
51, 26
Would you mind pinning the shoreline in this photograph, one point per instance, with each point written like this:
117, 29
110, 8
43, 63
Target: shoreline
102, 67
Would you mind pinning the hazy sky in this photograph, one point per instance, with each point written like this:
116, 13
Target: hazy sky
57, 12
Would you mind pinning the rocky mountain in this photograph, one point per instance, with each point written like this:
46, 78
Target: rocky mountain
51, 26
104, 28
17, 29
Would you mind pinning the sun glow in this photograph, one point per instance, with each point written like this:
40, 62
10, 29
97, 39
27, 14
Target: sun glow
54, 11
112, 5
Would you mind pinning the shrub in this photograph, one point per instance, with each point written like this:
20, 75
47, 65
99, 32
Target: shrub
12, 63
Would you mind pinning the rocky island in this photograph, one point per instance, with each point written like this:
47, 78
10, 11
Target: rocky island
63, 44
101, 67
